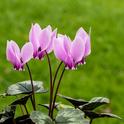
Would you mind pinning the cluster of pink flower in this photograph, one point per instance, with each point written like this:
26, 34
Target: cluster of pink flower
44, 41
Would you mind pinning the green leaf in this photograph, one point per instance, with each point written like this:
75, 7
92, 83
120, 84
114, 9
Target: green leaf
94, 103
21, 101
100, 99
7, 115
94, 115
3, 95
24, 119
40, 118
25, 87
71, 116
47, 105
6, 120
75, 102
63, 106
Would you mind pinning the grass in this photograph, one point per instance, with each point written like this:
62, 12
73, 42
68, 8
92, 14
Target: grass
103, 75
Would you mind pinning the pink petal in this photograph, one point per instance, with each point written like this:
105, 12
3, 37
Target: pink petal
69, 62
67, 44
59, 50
44, 39
50, 46
82, 33
86, 37
13, 52
27, 52
15, 47
10, 54
49, 28
34, 36
77, 49
87, 47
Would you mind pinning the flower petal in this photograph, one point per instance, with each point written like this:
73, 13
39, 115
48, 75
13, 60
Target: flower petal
77, 49
34, 36
86, 37
82, 33
50, 46
13, 52
9, 53
44, 38
67, 44
15, 47
27, 52
87, 47
49, 28
59, 50
69, 63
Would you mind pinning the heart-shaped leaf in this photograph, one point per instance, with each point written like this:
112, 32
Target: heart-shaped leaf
25, 87
71, 116
94, 103
75, 102
40, 118
94, 115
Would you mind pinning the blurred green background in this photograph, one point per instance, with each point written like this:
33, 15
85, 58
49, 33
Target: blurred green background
103, 75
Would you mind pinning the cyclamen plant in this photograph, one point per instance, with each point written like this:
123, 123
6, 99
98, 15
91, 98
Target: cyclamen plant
71, 54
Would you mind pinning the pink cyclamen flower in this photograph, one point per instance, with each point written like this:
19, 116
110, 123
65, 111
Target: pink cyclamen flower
19, 57
72, 53
42, 40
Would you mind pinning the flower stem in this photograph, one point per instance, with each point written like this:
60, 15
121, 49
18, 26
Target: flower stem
57, 88
51, 85
14, 122
20, 107
33, 94
56, 74
31, 99
26, 109
91, 121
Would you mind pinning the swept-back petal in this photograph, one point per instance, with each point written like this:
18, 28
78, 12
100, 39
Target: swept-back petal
67, 44
49, 28
59, 50
13, 53
77, 49
34, 35
27, 52
86, 37
50, 46
87, 47
82, 33
15, 47
10, 53
44, 39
